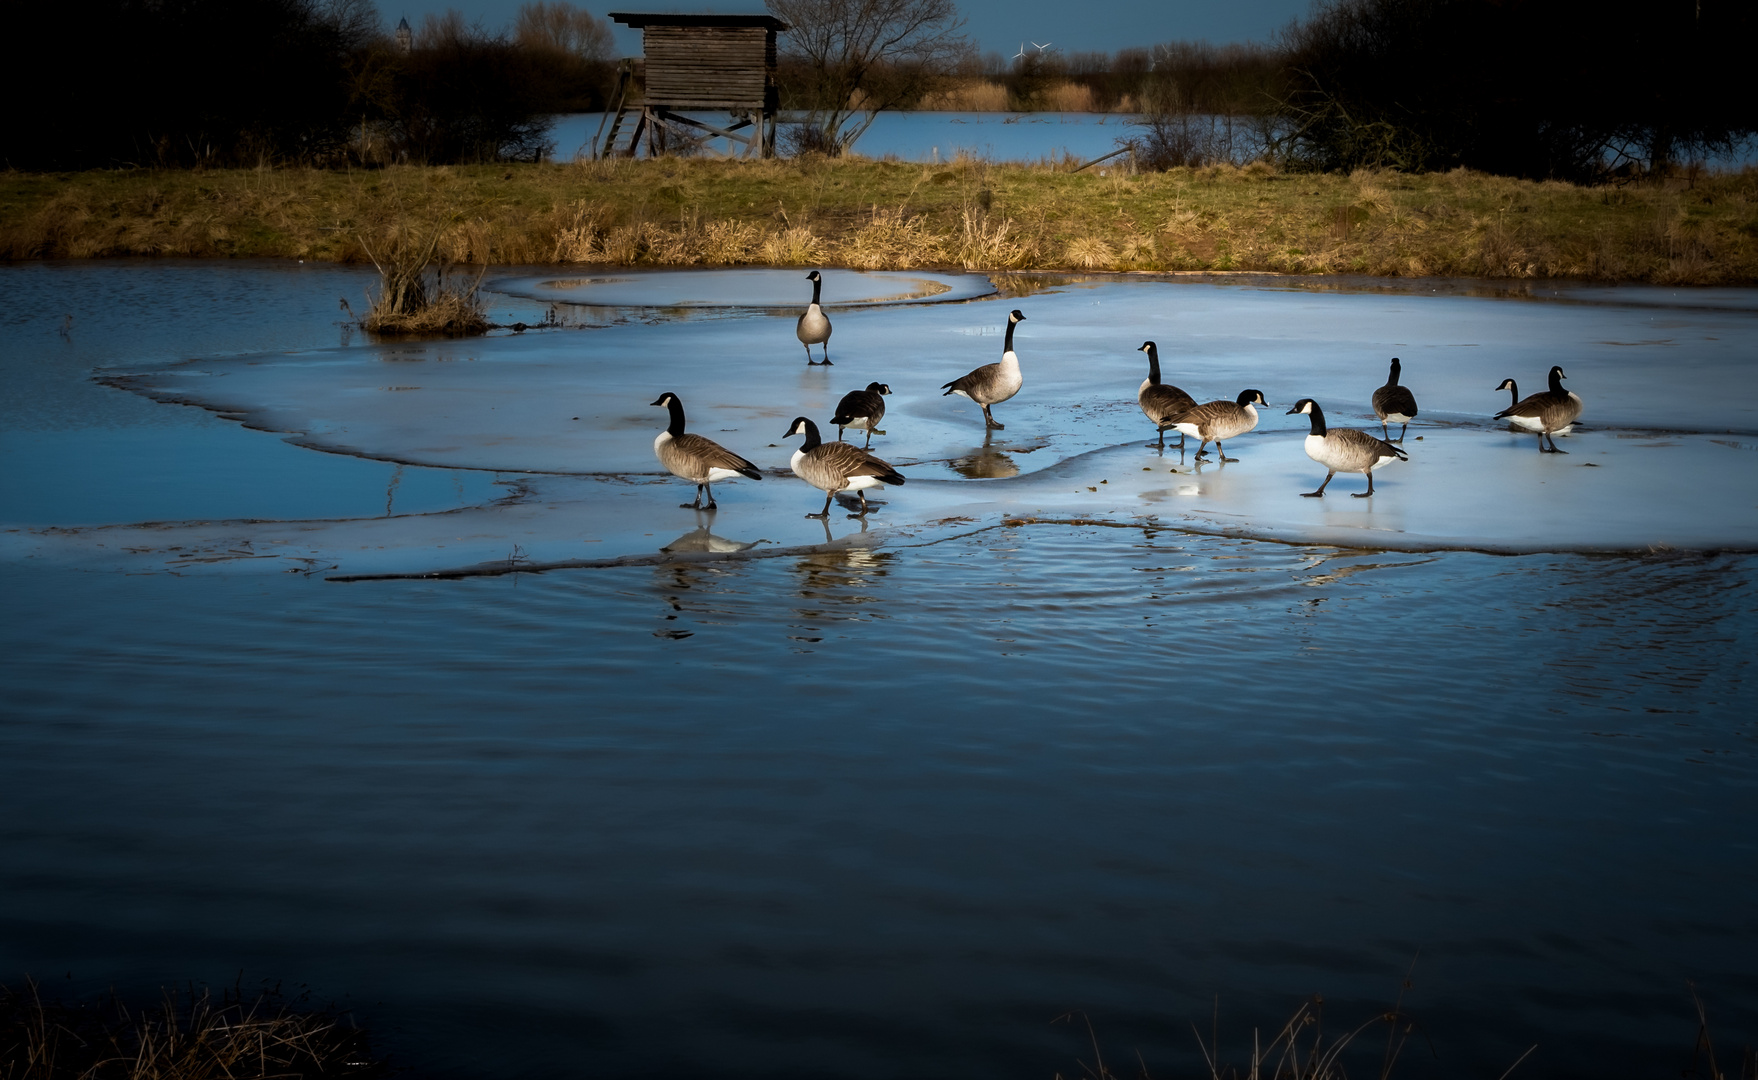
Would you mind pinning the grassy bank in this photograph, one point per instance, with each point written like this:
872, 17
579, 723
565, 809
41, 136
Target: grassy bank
872, 214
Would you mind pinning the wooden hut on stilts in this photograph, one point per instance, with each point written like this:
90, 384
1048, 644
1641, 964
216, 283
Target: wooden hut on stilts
700, 63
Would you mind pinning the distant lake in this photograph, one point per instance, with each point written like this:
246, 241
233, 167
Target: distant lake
919, 136
997, 136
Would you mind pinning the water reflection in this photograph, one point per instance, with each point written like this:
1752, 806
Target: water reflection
985, 462
678, 294
703, 539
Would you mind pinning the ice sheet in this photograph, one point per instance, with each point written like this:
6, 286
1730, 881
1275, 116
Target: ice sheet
766, 289
1665, 453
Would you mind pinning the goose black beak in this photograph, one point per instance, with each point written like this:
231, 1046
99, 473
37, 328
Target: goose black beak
1290, 412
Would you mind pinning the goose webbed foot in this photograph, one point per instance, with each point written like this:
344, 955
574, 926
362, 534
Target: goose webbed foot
822, 517
1320, 493
1225, 458
1361, 494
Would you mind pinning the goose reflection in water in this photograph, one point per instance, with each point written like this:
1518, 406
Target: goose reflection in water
833, 582
985, 463
702, 539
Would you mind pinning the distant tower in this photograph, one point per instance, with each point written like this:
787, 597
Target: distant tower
405, 36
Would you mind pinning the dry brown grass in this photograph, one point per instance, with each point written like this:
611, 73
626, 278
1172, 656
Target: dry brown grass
189, 1035
977, 95
1067, 97
870, 214
405, 304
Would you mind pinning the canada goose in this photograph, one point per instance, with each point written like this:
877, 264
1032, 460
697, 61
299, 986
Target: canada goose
992, 384
1161, 401
814, 325
837, 466
695, 458
1550, 413
861, 409
1343, 450
1394, 402
1217, 420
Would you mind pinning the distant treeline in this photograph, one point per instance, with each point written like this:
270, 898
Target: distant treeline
177, 83
1573, 89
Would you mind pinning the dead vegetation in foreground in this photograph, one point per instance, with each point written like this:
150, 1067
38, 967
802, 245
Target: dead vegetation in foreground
405, 304
189, 1035
1684, 230
1301, 1049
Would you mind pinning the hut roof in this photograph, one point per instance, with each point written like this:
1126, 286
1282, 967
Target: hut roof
640, 20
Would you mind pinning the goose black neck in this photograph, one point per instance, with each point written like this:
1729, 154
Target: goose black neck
1556, 380
813, 441
1153, 365
676, 407
1318, 420
817, 284
1513, 393
1008, 347
1392, 380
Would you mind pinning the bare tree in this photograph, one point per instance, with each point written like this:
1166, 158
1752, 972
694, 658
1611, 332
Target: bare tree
860, 57
564, 28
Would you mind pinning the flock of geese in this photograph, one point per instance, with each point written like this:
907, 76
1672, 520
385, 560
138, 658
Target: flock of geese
839, 466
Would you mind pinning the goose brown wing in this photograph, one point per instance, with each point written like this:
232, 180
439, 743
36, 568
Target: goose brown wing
1532, 405
846, 459
713, 455
978, 378
1394, 399
1551, 409
856, 404
1209, 417
1163, 402
1359, 446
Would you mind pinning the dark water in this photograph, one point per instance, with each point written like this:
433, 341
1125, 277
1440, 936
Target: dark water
861, 814
890, 813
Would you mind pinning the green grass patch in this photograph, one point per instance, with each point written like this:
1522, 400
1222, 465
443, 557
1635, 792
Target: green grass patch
877, 214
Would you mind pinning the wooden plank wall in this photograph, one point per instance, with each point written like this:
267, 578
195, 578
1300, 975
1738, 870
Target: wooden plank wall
709, 67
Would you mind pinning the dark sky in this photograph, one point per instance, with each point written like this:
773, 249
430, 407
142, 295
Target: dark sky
999, 25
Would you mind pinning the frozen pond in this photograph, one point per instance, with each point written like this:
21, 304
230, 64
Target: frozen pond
1068, 723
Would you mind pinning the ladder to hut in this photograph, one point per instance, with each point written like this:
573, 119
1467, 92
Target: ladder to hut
626, 116
699, 63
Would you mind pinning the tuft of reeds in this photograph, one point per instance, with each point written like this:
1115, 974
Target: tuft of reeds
405, 304
188, 1035
977, 95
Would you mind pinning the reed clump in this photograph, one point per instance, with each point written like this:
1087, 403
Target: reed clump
405, 302
187, 1035
1688, 229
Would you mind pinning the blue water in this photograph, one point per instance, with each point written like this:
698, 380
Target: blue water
867, 813
940, 136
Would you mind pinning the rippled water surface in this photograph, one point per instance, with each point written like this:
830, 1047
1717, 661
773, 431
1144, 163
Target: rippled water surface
864, 812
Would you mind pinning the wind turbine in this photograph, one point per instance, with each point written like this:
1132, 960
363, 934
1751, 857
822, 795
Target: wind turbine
1020, 55
1042, 47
